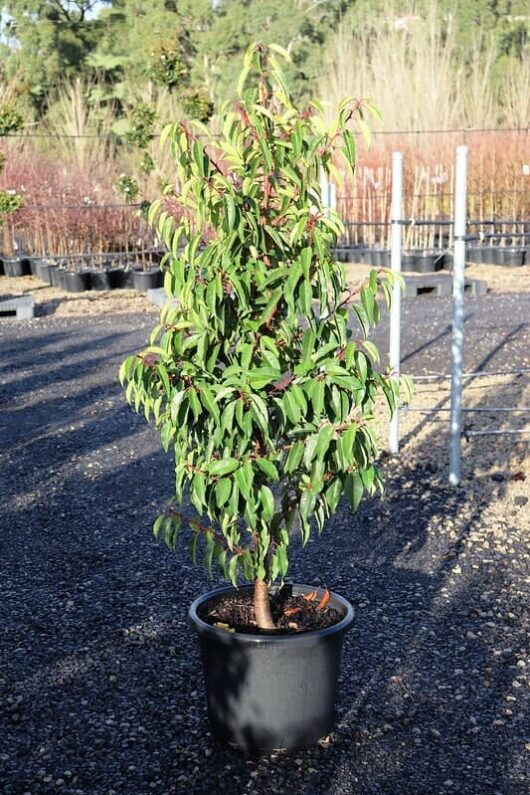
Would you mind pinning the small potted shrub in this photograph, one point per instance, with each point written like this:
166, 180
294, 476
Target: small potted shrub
265, 394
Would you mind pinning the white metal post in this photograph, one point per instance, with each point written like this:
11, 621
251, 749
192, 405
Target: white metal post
457, 343
332, 196
395, 310
324, 189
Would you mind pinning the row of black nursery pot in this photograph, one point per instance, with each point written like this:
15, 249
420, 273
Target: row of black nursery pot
428, 261
415, 260
79, 280
513, 256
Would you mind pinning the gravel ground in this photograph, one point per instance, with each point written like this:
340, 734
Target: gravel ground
53, 301
100, 679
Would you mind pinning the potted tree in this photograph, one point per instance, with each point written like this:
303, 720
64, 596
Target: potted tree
265, 396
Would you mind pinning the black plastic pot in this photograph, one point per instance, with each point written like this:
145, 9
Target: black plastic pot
270, 691
17, 266
116, 278
378, 258
474, 254
357, 254
373, 257
409, 262
55, 275
489, 255
147, 280
77, 281
362, 256
34, 265
100, 280
426, 262
127, 282
513, 257
342, 253
497, 255
439, 260
43, 271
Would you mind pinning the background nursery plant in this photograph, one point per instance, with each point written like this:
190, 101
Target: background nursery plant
255, 380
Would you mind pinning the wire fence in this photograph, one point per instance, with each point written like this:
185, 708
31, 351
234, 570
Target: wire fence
441, 131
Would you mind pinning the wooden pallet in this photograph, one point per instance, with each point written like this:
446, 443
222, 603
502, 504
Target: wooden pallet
440, 284
21, 308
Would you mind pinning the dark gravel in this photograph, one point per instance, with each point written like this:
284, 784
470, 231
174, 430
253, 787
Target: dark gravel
100, 678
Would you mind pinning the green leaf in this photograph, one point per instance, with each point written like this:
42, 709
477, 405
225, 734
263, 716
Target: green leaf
349, 148
223, 489
199, 490
262, 376
232, 570
267, 467
317, 399
223, 467
333, 494
291, 407
294, 456
195, 403
362, 317
209, 549
158, 524
244, 479
372, 349
166, 434
353, 489
267, 502
208, 401
323, 441
230, 209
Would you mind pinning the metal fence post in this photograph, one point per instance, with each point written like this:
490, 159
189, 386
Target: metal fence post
324, 189
332, 196
395, 310
457, 343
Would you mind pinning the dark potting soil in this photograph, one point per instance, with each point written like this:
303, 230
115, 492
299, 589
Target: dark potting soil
290, 613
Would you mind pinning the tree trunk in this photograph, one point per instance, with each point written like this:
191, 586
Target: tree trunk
262, 606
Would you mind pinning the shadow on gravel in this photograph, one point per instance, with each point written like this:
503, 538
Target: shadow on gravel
66, 365
431, 699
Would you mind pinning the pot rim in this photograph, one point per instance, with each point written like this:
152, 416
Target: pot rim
308, 638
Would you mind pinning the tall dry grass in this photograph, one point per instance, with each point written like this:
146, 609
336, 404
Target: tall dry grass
79, 129
421, 80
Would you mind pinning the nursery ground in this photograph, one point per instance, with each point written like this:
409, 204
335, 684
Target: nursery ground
100, 677
54, 301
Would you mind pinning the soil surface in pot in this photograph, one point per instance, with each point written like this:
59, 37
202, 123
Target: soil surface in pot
291, 614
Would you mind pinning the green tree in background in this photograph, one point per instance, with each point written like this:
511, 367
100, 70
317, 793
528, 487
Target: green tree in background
48, 40
302, 27
193, 47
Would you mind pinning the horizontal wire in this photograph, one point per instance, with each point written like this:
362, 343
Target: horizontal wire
488, 409
478, 374
495, 432
111, 134
430, 195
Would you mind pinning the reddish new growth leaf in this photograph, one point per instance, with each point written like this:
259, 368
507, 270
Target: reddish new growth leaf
283, 383
150, 359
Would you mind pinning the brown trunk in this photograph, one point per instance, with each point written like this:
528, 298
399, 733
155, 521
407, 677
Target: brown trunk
262, 606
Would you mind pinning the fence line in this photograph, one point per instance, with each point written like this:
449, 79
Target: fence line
456, 130
460, 224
